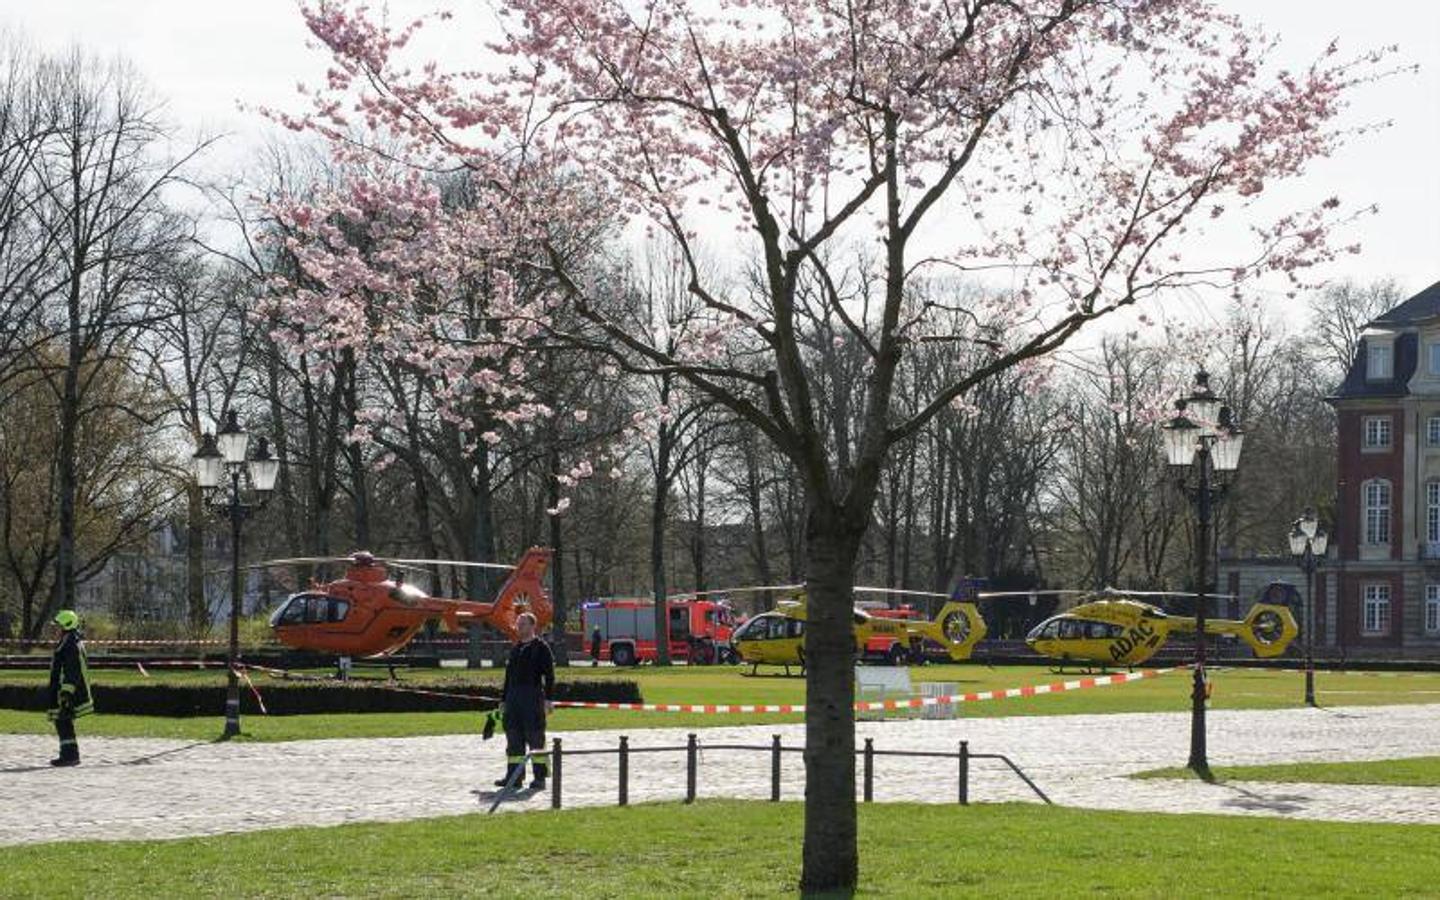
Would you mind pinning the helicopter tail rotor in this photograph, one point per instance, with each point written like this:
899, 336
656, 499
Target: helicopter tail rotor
958, 628
524, 591
1267, 630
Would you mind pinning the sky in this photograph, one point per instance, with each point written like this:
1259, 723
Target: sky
206, 59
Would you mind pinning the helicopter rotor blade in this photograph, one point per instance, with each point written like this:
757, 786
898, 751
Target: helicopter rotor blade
1129, 593
445, 562
298, 561
750, 589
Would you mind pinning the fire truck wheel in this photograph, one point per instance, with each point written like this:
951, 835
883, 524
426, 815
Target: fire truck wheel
896, 655
705, 653
623, 655
728, 657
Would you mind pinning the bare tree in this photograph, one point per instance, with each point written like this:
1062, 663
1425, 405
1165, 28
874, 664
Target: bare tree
1341, 311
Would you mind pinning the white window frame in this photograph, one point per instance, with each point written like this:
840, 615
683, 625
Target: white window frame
1432, 431
1379, 362
1375, 609
1432, 609
1432, 514
1375, 514
1378, 433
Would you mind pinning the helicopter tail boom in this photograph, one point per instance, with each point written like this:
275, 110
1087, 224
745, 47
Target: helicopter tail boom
1267, 630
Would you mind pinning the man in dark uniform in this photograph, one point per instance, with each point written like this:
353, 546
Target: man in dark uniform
595, 645
529, 682
69, 687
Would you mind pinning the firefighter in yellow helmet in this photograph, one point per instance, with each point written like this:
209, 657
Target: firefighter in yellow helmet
69, 687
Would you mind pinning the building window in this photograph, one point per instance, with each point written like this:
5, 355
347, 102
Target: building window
1432, 609
1379, 362
1377, 609
1432, 518
1376, 498
1435, 359
1377, 432
1432, 431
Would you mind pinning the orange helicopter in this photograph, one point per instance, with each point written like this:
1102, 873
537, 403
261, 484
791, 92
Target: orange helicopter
367, 613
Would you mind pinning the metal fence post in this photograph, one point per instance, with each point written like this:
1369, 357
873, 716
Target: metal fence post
624, 770
964, 773
692, 759
869, 769
557, 770
774, 768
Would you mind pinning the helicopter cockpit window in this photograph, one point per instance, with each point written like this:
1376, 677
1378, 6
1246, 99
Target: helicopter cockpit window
1101, 630
292, 613
1071, 629
317, 610
754, 630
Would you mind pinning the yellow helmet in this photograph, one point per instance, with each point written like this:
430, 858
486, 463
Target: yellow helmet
67, 619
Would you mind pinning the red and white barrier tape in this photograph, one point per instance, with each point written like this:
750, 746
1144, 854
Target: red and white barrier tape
178, 642
240, 671
1030, 690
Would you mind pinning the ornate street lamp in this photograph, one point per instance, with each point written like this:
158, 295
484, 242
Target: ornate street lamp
1307, 543
1202, 439
249, 485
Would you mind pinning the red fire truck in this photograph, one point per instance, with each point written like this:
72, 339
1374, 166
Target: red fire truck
888, 647
699, 630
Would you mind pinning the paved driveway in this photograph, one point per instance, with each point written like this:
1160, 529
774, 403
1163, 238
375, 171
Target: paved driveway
135, 788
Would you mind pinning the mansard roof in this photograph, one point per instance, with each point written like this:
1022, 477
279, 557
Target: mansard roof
1356, 385
1419, 308
1405, 318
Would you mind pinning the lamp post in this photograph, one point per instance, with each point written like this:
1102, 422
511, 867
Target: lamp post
234, 487
1307, 543
1202, 438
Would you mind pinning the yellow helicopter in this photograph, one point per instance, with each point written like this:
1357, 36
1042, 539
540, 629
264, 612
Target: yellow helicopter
777, 637
1114, 629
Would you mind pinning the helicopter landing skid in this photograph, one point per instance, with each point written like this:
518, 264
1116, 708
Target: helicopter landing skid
1081, 670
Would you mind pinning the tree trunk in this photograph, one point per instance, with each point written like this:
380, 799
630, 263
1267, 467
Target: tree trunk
198, 610
830, 856
481, 546
757, 520
557, 568
697, 544
657, 546
355, 455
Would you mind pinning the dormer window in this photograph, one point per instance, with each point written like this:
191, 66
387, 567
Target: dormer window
1433, 358
1380, 362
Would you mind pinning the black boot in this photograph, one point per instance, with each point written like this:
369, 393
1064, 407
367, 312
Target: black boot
541, 770
65, 761
510, 771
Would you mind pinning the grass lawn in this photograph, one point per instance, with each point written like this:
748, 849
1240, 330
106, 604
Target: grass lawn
1415, 771
738, 849
1233, 689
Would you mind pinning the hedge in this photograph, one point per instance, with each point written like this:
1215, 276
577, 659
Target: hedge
289, 698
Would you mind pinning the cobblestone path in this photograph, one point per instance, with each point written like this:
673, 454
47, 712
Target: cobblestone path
135, 788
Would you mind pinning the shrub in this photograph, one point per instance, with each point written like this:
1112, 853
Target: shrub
289, 698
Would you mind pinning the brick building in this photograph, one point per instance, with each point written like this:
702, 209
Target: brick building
1379, 593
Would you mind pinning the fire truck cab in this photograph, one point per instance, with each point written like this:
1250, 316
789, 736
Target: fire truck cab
699, 630
895, 648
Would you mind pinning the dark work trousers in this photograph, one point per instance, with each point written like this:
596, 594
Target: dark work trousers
65, 728
525, 729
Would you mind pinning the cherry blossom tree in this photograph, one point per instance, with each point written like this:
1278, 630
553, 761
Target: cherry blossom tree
1076, 154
